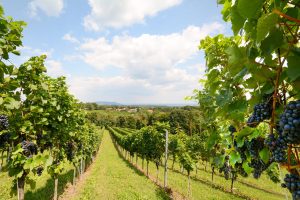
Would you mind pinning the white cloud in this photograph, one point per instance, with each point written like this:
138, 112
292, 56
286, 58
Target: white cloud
147, 55
151, 68
128, 90
54, 68
49, 7
70, 38
27, 52
117, 14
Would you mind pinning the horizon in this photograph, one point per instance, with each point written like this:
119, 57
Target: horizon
112, 103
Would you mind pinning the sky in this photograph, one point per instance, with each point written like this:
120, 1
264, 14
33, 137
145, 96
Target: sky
126, 51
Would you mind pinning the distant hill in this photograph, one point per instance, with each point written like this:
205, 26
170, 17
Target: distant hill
163, 105
108, 103
111, 103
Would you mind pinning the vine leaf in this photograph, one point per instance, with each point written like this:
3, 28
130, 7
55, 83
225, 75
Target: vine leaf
247, 9
272, 42
12, 104
246, 167
31, 182
243, 133
265, 24
237, 21
234, 158
211, 141
264, 155
236, 59
293, 70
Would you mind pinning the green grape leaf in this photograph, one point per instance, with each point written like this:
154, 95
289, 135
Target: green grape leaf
234, 54
31, 182
246, 167
218, 160
28, 164
265, 24
244, 132
293, 70
226, 10
249, 9
49, 160
236, 59
19, 174
16, 52
237, 20
224, 97
272, 42
265, 155
254, 134
234, 158
12, 103
211, 141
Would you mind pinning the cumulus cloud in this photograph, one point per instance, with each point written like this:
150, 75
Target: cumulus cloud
147, 55
54, 68
70, 38
128, 90
49, 7
117, 14
152, 68
28, 51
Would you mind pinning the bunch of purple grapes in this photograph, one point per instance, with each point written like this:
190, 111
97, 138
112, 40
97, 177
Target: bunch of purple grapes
4, 125
261, 112
290, 122
29, 148
3, 122
259, 166
255, 146
226, 168
39, 170
292, 183
278, 147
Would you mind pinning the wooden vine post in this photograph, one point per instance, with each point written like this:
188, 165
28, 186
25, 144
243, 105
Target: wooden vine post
166, 161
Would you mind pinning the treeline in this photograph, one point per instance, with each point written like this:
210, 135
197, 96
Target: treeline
187, 119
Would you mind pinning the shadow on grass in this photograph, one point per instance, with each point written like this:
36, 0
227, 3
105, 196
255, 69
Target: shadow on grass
162, 194
46, 193
130, 165
247, 184
215, 186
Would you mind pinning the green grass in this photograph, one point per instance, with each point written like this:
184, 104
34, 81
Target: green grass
113, 178
203, 187
199, 190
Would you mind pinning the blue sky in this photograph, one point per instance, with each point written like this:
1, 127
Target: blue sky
128, 51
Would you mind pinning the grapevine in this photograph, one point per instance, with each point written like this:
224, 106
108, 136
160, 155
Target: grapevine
253, 84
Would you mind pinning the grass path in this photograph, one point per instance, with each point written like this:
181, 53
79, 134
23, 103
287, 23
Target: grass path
178, 182
111, 178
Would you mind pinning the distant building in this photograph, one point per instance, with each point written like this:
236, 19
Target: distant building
133, 110
121, 109
150, 111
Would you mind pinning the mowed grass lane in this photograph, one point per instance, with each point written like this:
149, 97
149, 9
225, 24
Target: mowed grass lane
112, 178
